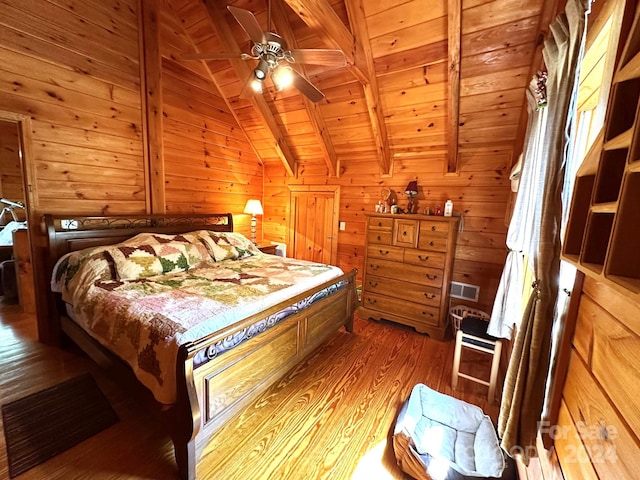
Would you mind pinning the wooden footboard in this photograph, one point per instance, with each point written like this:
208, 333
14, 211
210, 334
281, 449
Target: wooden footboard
219, 389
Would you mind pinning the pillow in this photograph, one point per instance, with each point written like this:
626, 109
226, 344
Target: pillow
83, 267
140, 261
227, 245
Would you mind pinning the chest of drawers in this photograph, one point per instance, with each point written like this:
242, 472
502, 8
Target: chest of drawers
407, 271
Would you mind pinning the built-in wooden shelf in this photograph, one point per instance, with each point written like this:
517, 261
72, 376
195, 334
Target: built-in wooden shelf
623, 102
630, 71
602, 237
621, 141
605, 207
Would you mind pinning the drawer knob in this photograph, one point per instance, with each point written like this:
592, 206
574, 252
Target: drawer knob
424, 259
427, 313
404, 234
431, 296
379, 224
372, 301
433, 228
431, 277
386, 252
379, 238
374, 267
431, 243
375, 284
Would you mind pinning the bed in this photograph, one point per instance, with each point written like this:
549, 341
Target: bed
217, 366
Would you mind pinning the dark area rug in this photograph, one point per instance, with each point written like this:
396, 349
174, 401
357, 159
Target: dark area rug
44, 424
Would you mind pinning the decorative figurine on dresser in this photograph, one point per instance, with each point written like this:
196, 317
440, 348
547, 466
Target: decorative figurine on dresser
408, 264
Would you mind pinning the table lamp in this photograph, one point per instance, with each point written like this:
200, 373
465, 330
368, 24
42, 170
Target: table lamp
254, 207
411, 191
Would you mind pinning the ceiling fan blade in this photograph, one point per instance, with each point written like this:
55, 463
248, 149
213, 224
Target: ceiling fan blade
248, 22
214, 56
306, 87
334, 58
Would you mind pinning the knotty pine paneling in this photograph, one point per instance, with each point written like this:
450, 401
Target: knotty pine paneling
75, 70
209, 164
599, 392
479, 195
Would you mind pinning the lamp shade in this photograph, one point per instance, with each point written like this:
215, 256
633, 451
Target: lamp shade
254, 207
412, 188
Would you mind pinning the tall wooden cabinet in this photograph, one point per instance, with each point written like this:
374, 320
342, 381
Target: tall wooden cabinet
408, 265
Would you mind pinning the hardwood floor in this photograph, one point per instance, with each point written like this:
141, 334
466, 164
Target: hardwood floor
330, 417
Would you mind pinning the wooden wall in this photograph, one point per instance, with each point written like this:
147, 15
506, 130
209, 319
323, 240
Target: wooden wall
74, 70
480, 196
209, 164
597, 434
10, 169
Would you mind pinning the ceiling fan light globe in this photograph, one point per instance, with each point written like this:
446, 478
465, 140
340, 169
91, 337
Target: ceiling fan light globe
256, 85
282, 77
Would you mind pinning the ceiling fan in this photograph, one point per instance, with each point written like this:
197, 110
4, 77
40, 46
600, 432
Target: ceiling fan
274, 58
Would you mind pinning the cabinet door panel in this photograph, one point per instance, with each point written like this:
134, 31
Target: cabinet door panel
405, 233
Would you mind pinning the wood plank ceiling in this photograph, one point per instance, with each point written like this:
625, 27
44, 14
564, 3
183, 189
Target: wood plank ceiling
403, 92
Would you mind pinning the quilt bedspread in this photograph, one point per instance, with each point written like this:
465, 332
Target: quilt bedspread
145, 320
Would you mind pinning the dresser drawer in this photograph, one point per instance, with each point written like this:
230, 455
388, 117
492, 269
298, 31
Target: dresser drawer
399, 307
433, 243
377, 223
379, 237
405, 272
432, 227
412, 292
425, 258
385, 252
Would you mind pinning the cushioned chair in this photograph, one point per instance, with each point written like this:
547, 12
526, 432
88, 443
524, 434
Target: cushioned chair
438, 437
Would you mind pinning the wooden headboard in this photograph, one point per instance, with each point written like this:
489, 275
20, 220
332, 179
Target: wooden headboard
68, 233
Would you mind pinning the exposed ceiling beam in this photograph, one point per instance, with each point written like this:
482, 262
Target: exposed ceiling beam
320, 16
355, 10
283, 26
243, 71
453, 97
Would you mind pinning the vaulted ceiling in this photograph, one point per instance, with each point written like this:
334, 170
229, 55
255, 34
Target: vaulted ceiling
421, 76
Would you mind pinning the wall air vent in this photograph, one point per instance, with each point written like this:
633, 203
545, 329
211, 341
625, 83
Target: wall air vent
464, 291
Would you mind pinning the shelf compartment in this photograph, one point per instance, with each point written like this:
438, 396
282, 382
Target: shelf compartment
630, 71
579, 213
622, 108
621, 141
623, 263
609, 177
596, 242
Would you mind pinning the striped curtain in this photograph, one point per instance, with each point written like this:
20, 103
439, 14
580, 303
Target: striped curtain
524, 388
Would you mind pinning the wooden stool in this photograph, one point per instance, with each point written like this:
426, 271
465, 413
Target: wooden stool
473, 334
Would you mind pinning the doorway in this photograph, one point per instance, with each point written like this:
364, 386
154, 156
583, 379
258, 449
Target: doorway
16, 271
313, 223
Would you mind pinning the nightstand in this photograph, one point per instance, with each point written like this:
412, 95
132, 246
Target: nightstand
269, 249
